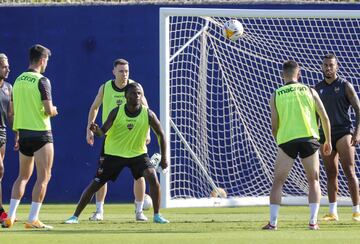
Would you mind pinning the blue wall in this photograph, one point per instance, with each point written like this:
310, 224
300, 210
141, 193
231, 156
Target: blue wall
84, 42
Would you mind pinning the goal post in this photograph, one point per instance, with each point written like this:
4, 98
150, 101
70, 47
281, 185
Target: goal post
214, 97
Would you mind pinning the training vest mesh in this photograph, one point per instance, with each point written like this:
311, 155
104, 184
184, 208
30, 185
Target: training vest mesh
297, 113
127, 136
29, 111
111, 99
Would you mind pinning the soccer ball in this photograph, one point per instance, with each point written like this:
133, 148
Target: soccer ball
222, 192
233, 30
147, 202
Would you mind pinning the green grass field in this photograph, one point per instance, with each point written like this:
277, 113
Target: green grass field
188, 225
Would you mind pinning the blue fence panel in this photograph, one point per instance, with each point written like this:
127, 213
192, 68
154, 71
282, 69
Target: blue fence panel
85, 40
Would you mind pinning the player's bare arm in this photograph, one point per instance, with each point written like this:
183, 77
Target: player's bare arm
156, 126
325, 122
354, 101
50, 109
145, 103
274, 116
10, 114
94, 109
107, 124
16, 133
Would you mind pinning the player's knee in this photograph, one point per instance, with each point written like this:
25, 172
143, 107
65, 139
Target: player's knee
279, 180
313, 181
97, 184
154, 184
46, 178
349, 172
23, 178
44, 184
41, 183
152, 178
351, 176
1, 172
332, 174
314, 177
140, 180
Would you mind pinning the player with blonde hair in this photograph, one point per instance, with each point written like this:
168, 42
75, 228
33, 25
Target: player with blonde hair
6, 117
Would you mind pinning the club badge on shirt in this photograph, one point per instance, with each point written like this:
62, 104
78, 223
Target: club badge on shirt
118, 102
130, 126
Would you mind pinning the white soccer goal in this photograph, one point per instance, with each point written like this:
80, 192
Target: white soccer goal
214, 97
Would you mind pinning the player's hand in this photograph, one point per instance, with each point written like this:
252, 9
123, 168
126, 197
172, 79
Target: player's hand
163, 163
16, 142
327, 149
16, 146
54, 111
94, 127
355, 139
90, 137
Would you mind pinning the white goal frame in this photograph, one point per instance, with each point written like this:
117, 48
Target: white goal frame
166, 122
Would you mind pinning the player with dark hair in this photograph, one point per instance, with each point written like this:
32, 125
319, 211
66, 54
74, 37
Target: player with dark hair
6, 117
33, 108
110, 95
338, 95
126, 130
294, 125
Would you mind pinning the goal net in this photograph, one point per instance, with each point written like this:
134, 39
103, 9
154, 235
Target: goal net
215, 93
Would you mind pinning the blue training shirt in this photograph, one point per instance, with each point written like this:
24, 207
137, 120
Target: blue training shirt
5, 97
336, 104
